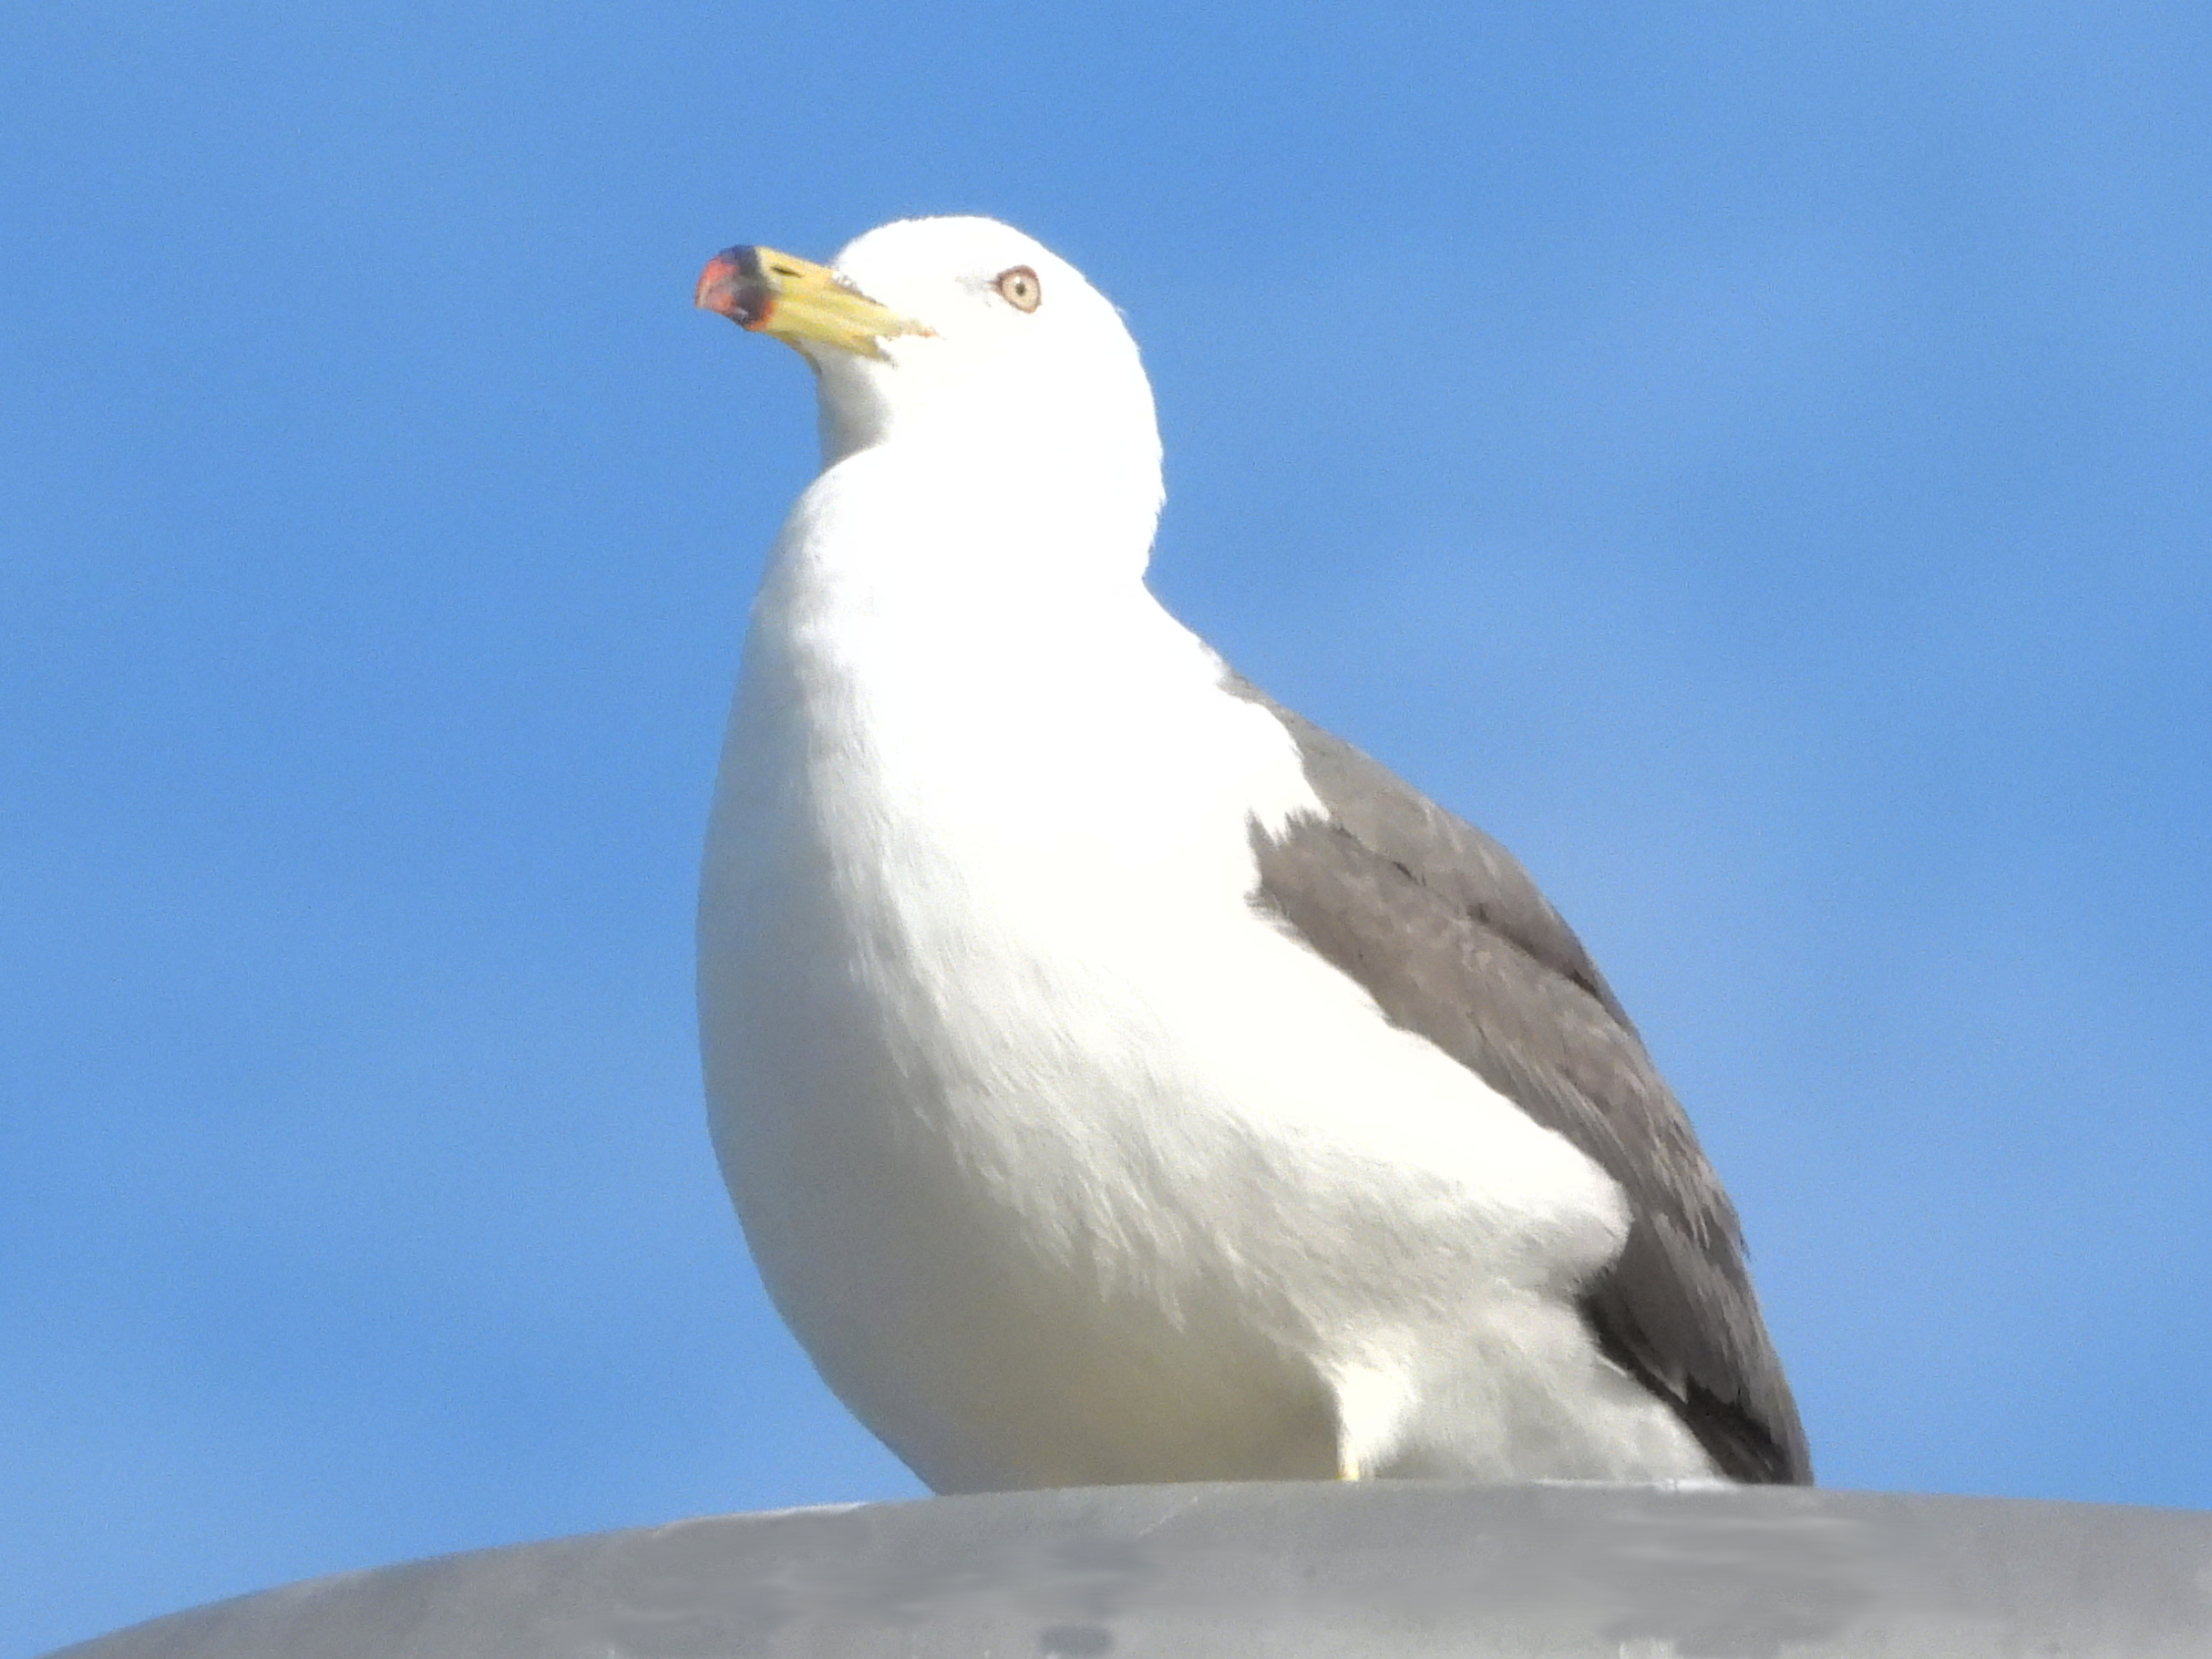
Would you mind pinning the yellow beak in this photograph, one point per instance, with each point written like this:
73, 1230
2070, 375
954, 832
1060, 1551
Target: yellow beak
796, 302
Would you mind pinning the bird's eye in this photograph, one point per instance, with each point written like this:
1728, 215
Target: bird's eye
1020, 289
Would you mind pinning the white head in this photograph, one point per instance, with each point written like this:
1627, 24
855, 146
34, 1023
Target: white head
960, 332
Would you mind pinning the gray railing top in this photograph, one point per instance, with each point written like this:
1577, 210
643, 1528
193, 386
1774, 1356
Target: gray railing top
1289, 1571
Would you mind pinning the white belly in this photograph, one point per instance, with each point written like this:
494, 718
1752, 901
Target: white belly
1065, 1166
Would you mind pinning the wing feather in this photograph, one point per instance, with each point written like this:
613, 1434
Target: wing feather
1455, 942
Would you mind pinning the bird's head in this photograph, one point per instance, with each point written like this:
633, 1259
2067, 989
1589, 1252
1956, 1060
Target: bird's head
958, 330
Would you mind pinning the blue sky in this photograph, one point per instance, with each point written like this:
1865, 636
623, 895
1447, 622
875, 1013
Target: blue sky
1753, 459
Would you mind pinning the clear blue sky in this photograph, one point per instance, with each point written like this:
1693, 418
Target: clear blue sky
1752, 459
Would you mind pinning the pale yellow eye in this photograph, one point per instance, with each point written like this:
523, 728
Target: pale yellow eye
1020, 288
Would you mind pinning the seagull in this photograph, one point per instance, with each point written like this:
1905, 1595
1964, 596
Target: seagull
1119, 1077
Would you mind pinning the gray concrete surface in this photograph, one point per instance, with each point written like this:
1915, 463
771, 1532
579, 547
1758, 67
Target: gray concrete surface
1289, 1571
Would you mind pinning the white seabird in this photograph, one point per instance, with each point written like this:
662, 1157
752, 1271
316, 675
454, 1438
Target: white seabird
1120, 1079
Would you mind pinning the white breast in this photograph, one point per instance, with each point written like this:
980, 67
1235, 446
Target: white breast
1064, 1163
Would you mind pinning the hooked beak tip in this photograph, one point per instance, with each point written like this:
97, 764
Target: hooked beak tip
732, 285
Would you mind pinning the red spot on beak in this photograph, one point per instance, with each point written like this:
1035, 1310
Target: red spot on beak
732, 284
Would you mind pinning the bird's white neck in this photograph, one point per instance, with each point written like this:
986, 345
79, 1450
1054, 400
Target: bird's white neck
931, 527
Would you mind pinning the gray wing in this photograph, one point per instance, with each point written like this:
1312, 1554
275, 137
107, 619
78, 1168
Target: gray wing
1452, 938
